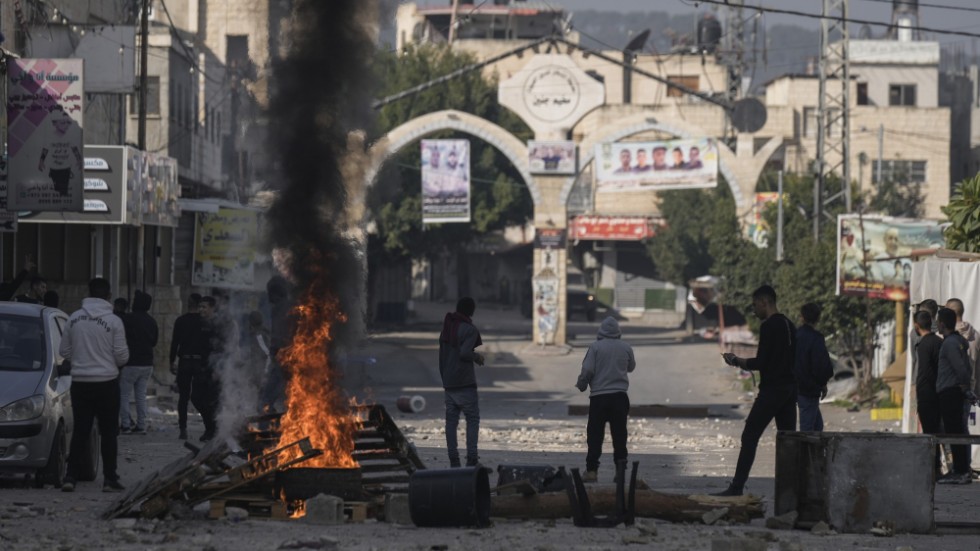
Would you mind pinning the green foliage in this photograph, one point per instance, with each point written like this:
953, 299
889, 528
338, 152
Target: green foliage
499, 195
963, 212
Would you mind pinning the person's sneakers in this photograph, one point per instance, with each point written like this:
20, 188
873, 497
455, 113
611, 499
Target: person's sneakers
208, 435
112, 486
125, 430
138, 431
183, 434
731, 491
454, 464
472, 462
590, 476
68, 484
955, 478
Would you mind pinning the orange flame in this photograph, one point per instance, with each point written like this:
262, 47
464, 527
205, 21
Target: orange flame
315, 407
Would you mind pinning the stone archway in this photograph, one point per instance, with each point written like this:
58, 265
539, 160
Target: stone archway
515, 150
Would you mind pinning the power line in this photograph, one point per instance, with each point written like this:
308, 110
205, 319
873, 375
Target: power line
849, 20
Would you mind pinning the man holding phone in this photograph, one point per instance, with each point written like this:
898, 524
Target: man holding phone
776, 399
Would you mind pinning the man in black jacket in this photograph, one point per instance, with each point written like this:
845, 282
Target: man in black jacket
182, 349
777, 385
926, 368
457, 357
35, 293
952, 384
9, 289
141, 338
813, 369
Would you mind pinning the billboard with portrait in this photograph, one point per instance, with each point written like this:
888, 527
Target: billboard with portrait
44, 134
645, 166
445, 181
551, 157
874, 253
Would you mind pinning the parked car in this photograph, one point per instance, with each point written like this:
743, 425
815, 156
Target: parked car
35, 404
580, 300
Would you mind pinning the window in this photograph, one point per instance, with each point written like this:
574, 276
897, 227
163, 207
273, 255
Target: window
152, 98
862, 93
810, 122
898, 170
236, 54
901, 94
692, 82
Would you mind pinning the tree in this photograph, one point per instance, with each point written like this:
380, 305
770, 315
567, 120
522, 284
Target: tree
963, 212
499, 197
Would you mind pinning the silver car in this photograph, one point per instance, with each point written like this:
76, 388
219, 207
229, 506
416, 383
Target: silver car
35, 404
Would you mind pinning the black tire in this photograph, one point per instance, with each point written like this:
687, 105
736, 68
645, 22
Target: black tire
87, 468
54, 472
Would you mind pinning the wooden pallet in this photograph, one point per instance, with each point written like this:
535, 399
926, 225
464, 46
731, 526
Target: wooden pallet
356, 511
257, 506
386, 457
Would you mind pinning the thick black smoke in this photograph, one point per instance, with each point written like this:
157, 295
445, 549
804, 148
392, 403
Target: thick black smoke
321, 104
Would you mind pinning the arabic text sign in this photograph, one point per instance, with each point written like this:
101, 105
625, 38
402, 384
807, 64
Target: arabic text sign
445, 181
614, 228
44, 134
551, 157
644, 166
873, 254
224, 248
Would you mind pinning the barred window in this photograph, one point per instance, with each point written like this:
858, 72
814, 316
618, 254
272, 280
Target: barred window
899, 171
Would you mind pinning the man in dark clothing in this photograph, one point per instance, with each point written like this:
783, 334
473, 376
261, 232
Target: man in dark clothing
606, 368
181, 347
274, 388
457, 354
34, 294
9, 289
777, 386
813, 369
141, 338
925, 372
952, 383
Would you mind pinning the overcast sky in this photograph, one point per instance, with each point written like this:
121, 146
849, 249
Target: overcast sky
873, 10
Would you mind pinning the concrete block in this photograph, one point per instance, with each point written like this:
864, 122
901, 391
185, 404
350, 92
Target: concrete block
324, 509
396, 509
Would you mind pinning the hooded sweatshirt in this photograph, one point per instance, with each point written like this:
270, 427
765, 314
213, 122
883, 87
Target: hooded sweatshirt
95, 342
972, 337
457, 342
607, 362
141, 330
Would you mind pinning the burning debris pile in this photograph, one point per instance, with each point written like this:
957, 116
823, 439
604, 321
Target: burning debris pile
274, 481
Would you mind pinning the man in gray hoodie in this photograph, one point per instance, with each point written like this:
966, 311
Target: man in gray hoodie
95, 343
457, 355
605, 369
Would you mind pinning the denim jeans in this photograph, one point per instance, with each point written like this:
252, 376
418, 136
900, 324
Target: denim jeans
133, 377
467, 401
810, 417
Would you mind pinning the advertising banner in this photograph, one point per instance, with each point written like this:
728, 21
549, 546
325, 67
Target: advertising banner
158, 189
759, 228
44, 134
652, 166
614, 228
445, 181
549, 238
551, 157
224, 248
873, 254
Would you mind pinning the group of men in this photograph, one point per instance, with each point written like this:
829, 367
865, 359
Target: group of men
946, 352
659, 154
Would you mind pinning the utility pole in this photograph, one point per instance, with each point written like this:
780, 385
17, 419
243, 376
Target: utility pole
881, 150
141, 124
779, 220
833, 118
453, 19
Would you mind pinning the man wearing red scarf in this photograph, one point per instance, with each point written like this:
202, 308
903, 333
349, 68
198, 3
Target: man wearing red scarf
457, 355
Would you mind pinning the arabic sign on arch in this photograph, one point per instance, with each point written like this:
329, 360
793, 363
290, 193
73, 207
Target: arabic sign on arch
224, 248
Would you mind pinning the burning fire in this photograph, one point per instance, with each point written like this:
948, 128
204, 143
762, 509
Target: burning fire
315, 407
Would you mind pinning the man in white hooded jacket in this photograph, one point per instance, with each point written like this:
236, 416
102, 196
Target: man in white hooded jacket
605, 369
95, 343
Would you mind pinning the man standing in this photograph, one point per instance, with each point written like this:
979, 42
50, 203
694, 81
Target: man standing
34, 294
952, 383
457, 354
813, 369
972, 337
777, 387
95, 343
605, 369
926, 368
141, 338
205, 389
181, 347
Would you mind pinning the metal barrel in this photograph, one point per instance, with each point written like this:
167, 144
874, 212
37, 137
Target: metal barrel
450, 497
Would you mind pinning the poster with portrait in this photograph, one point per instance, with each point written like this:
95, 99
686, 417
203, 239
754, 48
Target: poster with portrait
445, 181
758, 228
44, 134
874, 253
224, 248
653, 166
546, 294
551, 157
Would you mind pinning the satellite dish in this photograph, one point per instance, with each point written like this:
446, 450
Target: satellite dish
638, 42
748, 115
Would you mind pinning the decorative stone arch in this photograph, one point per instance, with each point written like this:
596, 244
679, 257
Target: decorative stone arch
636, 124
515, 150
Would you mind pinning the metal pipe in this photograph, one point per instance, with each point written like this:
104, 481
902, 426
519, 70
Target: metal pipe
779, 220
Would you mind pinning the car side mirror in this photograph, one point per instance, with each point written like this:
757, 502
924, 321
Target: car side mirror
64, 368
